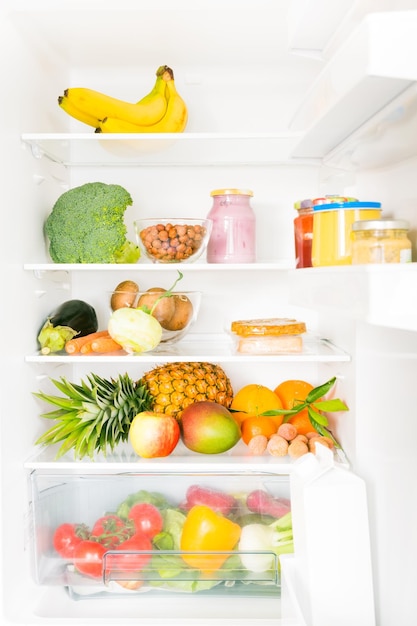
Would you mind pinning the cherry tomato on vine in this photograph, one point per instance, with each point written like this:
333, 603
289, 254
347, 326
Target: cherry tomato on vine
67, 537
147, 518
131, 557
88, 558
110, 530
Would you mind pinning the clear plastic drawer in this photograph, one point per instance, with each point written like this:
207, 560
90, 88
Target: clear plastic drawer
136, 533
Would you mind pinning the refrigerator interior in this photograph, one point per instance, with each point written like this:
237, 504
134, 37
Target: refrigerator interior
274, 106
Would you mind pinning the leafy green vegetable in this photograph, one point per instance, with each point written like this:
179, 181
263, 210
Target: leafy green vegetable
151, 497
86, 225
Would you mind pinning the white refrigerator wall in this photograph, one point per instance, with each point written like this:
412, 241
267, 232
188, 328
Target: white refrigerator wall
41, 57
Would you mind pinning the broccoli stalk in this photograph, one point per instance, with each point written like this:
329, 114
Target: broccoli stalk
86, 225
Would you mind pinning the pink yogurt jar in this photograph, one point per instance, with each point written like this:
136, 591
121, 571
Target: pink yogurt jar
233, 236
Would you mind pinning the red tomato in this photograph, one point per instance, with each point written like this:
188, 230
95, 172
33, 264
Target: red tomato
88, 558
131, 558
67, 537
110, 530
147, 518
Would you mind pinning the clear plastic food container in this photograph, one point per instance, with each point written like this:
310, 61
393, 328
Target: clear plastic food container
332, 225
380, 241
195, 547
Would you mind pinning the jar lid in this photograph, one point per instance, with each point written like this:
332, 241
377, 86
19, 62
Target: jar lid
303, 204
380, 225
231, 192
332, 199
347, 205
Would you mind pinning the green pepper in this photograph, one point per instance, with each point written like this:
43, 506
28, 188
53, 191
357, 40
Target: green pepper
205, 531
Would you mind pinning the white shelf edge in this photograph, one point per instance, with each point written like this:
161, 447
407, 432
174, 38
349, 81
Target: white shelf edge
284, 264
171, 465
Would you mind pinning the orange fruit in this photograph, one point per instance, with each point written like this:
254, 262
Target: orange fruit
291, 393
239, 416
255, 399
302, 422
257, 425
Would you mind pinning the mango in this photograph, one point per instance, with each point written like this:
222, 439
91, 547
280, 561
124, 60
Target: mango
208, 427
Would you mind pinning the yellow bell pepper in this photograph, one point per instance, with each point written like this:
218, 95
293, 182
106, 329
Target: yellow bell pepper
206, 531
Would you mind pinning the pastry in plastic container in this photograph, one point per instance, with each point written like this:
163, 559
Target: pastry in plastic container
268, 335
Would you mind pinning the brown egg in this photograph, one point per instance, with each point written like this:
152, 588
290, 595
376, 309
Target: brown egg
182, 314
165, 308
124, 295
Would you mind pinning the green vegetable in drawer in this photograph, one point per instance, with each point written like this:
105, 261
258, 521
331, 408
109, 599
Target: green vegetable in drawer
259, 543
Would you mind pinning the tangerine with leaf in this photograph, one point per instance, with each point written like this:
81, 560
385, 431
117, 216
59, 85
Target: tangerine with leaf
293, 392
253, 400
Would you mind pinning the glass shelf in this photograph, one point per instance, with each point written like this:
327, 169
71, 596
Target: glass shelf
238, 460
164, 149
206, 347
283, 264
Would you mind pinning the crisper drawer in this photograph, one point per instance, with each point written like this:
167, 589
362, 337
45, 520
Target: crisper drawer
113, 534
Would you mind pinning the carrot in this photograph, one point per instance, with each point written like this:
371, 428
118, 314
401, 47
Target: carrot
74, 345
105, 344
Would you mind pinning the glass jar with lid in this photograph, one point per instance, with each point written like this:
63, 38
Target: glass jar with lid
380, 241
233, 235
303, 232
332, 227
303, 226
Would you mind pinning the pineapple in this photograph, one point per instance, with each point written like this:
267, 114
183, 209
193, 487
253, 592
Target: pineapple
96, 415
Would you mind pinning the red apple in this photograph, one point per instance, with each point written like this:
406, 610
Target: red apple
153, 434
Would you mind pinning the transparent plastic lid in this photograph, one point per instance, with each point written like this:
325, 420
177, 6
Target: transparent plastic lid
380, 225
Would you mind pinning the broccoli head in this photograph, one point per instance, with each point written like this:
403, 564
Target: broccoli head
86, 225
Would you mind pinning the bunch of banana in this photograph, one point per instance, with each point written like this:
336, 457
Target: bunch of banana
162, 110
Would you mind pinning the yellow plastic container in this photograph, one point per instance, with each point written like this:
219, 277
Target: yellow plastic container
332, 225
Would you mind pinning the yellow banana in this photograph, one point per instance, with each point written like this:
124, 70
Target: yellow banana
174, 120
149, 110
69, 108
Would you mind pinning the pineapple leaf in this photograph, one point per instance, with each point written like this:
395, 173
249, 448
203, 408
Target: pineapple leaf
73, 391
58, 414
69, 442
65, 403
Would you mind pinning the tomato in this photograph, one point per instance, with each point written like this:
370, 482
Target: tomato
67, 537
110, 530
147, 518
131, 558
88, 558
